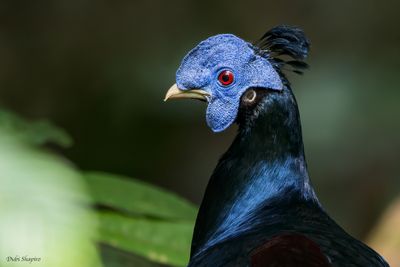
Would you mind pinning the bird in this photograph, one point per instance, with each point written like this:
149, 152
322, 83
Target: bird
259, 208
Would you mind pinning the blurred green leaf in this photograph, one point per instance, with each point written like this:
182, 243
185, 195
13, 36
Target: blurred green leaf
145, 225
44, 208
159, 241
37, 132
138, 198
143, 219
113, 257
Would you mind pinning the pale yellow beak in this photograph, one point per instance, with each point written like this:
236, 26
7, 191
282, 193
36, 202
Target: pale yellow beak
175, 93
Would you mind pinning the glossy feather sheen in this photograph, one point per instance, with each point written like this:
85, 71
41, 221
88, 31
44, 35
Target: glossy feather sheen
260, 189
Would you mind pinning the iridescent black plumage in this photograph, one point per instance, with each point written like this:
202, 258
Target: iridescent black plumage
259, 207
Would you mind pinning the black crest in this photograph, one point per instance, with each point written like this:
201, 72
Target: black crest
285, 46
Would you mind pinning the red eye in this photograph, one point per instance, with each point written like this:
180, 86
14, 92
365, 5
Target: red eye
226, 77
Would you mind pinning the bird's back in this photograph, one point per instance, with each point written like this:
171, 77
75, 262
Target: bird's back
290, 234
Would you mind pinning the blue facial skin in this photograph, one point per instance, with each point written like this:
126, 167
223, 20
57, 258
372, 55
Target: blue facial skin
201, 67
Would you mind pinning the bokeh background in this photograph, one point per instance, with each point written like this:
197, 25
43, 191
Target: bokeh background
99, 69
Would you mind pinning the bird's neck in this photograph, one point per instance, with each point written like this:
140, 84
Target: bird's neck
264, 165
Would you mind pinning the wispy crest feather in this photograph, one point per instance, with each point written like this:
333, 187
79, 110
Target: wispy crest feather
285, 46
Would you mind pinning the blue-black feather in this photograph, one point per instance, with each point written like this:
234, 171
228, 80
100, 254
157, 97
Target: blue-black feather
260, 189
283, 42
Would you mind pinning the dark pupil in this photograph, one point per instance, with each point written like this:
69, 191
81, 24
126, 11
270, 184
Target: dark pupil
225, 77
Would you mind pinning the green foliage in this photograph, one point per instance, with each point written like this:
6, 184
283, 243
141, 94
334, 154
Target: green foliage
135, 197
44, 209
36, 133
46, 212
142, 219
159, 241
113, 257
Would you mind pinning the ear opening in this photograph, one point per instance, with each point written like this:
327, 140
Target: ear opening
286, 47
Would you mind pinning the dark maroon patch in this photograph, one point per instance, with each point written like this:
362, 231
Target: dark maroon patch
289, 250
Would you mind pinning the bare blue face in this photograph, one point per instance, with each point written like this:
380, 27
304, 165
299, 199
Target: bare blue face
225, 66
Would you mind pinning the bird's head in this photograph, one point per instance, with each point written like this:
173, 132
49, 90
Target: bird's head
222, 68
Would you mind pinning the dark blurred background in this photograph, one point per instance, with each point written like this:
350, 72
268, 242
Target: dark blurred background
100, 70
